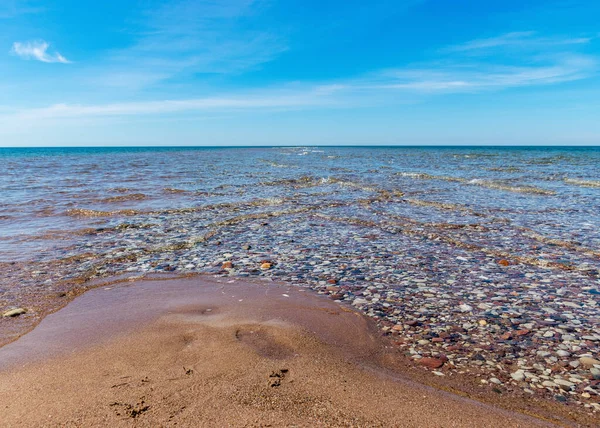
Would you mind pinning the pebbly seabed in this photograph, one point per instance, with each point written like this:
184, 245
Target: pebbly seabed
481, 261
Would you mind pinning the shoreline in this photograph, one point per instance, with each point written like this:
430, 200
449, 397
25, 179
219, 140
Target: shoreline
103, 323
465, 263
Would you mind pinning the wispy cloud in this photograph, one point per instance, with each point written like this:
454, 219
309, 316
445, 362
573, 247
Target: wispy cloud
184, 38
37, 50
278, 100
518, 39
474, 76
510, 60
13, 8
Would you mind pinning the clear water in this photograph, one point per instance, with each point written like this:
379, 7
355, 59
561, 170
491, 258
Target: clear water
47, 194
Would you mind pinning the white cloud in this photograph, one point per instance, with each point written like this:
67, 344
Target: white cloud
184, 38
37, 50
518, 39
376, 89
277, 100
13, 8
474, 76
509, 60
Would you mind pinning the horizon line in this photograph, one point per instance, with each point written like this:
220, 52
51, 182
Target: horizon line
311, 146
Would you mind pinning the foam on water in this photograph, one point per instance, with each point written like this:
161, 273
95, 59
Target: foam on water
584, 183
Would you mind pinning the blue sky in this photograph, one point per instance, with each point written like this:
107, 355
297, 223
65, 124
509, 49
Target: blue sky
266, 72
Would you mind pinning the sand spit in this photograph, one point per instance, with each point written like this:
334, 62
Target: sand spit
218, 352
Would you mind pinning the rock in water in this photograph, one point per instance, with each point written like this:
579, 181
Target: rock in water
587, 362
432, 363
564, 384
465, 308
518, 376
14, 312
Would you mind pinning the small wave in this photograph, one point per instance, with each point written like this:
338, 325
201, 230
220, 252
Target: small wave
475, 155
44, 212
123, 198
583, 183
439, 205
277, 164
420, 175
347, 183
120, 190
505, 169
352, 184
425, 176
480, 182
83, 212
309, 181
304, 181
273, 201
517, 189
173, 190
550, 160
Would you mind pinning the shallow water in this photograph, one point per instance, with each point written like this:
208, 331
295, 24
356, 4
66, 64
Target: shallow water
553, 191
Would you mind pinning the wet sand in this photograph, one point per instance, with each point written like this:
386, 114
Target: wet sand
209, 352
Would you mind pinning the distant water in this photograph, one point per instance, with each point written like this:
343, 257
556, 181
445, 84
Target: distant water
50, 195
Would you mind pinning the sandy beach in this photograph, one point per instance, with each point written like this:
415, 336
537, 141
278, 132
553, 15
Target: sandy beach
204, 351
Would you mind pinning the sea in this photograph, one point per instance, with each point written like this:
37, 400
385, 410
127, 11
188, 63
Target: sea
49, 194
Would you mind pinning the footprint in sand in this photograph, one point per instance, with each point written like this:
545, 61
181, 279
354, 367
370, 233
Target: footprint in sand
276, 377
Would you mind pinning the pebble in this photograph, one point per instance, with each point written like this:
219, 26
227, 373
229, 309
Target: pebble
564, 384
518, 376
432, 363
588, 362
14, 312
465, 308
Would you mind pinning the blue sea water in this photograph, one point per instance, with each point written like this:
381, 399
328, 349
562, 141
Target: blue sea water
554, 191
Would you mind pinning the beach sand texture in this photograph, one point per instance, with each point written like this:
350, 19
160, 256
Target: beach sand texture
208, 352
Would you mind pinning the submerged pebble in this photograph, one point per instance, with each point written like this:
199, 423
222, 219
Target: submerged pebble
14, 312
